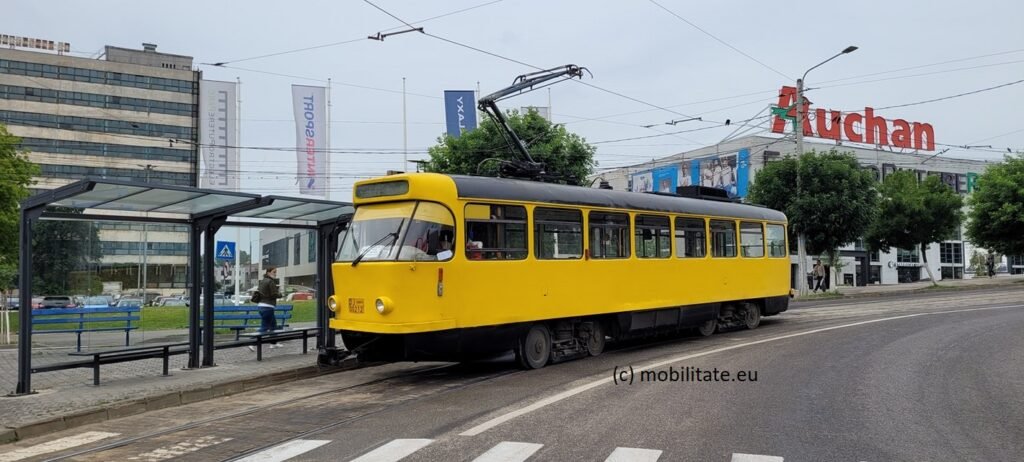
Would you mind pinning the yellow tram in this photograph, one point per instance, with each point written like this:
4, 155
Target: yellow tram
444, 267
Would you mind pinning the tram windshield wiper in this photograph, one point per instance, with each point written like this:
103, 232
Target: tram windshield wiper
392, 235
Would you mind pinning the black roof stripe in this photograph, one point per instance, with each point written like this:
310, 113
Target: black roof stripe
476, 187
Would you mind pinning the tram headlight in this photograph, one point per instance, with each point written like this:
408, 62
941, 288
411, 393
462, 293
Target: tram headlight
384, 305
332, 304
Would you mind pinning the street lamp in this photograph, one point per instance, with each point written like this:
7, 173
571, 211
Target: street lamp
801, 252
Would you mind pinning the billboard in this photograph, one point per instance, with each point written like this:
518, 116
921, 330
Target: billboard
218, 135
459, 111
730, 172
665, 179
643, 182
310, 107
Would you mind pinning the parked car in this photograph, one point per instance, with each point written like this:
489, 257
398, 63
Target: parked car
172, 302
129, 301
96, 301
57, 301
13, 302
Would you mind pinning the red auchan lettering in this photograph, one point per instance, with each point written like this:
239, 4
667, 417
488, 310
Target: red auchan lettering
855, 127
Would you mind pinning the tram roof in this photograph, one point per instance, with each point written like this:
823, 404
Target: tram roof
534, 191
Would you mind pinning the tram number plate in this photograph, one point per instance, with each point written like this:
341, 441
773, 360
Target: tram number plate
355, 305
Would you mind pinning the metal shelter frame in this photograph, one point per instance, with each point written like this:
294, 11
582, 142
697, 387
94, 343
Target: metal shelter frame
204, 211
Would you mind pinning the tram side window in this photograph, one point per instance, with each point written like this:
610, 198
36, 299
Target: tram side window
495, 232
691, 241
751, 240
609, 235
557, 233
653, 238
776, 241
723, 238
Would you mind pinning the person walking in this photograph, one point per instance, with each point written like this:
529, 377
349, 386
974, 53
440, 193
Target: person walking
819, 276
267, 301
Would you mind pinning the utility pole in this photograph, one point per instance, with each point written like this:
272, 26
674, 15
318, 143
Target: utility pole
145, 241
801, 239
405, 132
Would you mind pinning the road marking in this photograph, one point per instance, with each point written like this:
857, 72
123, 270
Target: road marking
634, 455
508, 451
737, 457
55, 445
394, 450
179, 449
285, 451
582, 388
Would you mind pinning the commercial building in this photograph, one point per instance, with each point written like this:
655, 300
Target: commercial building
131, 115
733, 165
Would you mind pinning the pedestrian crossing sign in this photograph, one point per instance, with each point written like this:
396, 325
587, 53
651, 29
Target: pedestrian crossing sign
225, 250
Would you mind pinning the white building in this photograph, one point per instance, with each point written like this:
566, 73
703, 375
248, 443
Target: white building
733, 165
132, 116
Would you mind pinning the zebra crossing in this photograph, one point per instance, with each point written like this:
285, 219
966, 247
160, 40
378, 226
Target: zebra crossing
392, 451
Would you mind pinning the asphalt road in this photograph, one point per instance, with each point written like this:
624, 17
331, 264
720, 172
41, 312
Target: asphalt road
934, 377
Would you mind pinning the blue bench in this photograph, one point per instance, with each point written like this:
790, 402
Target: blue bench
80, 317
240, 318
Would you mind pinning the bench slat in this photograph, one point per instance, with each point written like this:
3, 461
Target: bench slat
81, 320
101, 329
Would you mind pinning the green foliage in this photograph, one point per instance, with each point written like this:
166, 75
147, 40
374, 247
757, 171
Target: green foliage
17, 172
563, 153
912, 213
996, 219
835, 203
61, 247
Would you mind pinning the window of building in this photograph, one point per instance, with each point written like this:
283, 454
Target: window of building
776, 241
723, 238
653, 237
495, 232
93, 76
691, 240
609, 235
908, 256
751, 240
296, 249
952, 272
557, 233
951, 252
311, 246
33, 119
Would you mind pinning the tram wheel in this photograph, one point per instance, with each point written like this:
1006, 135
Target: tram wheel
534, 350
708, 327
751, 316
596, 341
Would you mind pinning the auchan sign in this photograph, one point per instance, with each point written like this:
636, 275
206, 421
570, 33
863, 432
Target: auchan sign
852, 126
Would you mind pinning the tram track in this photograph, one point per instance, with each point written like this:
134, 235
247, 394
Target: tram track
253, 413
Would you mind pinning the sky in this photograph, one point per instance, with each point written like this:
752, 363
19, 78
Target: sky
652, 62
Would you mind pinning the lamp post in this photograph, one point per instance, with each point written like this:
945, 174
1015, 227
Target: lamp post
801, 252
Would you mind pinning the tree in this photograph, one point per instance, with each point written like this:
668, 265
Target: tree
913, 214
835, 204
244, 258
996, 219
59, 248
480, 151
17, 172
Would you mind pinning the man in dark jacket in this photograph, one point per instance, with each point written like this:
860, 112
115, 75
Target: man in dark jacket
269, 294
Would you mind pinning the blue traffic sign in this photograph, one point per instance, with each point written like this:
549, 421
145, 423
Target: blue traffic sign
225, 250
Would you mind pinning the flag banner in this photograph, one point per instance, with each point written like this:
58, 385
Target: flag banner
460, 111
310, 106
218, 135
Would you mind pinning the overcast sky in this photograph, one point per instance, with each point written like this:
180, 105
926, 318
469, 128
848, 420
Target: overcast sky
637, 49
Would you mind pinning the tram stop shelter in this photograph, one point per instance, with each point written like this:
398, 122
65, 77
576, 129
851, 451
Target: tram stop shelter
204, 211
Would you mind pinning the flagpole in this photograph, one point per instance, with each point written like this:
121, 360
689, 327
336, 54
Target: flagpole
405, 132
238, 182
327, 152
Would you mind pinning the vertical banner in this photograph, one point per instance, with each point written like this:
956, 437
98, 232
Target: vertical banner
742, 172
459, 111
218, 136
310, 107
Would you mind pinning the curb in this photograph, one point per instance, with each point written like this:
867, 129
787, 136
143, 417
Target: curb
841, 296
164, 401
